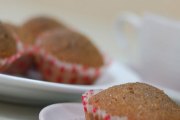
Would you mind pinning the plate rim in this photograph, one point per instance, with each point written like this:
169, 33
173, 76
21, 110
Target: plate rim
47, 108
66, 88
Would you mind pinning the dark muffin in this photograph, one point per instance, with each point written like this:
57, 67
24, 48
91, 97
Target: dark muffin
35, 26
72, 47
7, 42
131, 101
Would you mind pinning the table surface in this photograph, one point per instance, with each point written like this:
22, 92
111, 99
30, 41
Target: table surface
94, 18
12, 111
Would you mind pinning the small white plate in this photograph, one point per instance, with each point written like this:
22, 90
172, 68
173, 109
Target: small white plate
32, 91
63, 111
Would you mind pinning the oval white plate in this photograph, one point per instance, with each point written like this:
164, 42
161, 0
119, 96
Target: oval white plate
63, 111
31, 91
23, 90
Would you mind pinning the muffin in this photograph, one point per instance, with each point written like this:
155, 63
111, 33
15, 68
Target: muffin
35, 26
7, 42
12, 28
72, 47
10, 48
74, 56
131, 101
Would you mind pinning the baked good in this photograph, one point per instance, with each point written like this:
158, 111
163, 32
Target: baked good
11, 50
7, 42
131, 101
11, 27
72, 47
37, 25
66, 56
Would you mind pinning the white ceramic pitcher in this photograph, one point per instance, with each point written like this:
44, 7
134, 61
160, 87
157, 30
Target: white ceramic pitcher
157, 53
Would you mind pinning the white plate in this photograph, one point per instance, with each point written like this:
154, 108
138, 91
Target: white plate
31, 91
63, 111
16, 89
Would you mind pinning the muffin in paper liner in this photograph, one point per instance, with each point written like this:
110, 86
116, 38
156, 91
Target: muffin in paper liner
19, 63
58, 71
93, 113
129, 101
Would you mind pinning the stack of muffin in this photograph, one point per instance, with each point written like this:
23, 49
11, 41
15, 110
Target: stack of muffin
59, 53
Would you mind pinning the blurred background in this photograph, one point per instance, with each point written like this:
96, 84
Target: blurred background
93, 17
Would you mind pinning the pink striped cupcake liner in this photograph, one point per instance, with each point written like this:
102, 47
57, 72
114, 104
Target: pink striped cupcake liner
55, 70
19, 63
94, 113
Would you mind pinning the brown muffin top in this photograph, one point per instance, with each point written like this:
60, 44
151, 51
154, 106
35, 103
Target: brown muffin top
35, 26
137, 101
11, 27
72, 47
7, 42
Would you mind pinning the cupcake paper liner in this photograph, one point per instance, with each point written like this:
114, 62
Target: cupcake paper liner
19, 63
93, 113
55, 70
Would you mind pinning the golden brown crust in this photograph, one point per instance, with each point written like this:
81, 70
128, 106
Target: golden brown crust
35, 26
7, 42
137, 101
72, 47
